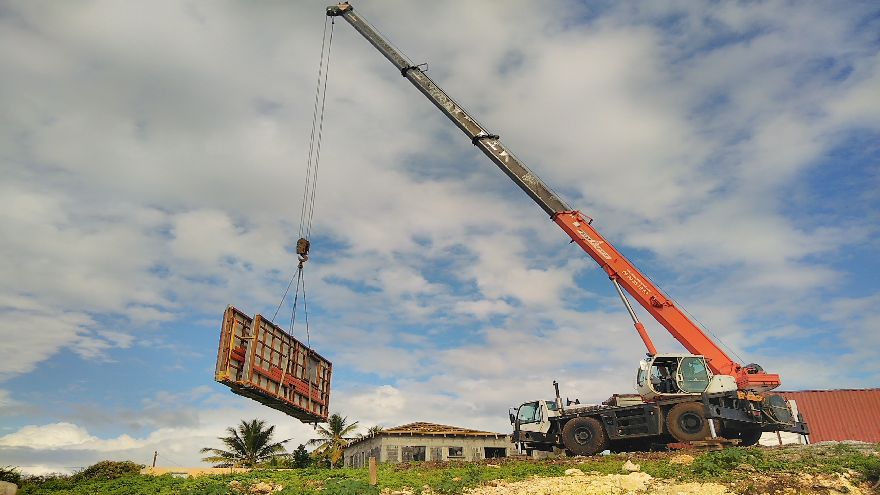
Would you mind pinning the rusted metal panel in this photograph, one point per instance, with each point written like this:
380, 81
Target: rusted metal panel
840, 414
259, 360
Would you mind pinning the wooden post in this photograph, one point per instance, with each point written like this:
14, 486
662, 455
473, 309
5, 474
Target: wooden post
779, 437
155, 455
374, 475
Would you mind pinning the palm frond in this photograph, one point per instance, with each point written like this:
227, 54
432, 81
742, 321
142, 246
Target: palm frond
248, 444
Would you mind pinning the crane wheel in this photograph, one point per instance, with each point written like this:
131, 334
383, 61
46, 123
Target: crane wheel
687, 422
747, 438
584, 436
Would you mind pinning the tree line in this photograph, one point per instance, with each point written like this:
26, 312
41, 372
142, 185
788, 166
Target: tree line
251, 444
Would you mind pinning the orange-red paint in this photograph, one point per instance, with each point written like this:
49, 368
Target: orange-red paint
650, 297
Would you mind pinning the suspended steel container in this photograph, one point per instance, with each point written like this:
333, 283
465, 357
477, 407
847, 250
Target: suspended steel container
259, 360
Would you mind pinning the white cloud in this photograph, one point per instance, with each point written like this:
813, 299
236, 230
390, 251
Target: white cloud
58, 447
152, 170
52, 436
484, 308
857, 104
6, 400
379, 405
50, 332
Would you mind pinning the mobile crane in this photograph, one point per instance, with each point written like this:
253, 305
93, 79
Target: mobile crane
683, 397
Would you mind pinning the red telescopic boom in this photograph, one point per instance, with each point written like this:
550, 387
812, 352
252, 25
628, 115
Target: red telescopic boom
622, 273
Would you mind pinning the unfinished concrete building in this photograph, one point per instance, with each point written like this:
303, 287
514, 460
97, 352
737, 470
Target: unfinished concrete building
427, 442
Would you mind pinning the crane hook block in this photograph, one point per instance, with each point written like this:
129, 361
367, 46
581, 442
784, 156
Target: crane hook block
302, 247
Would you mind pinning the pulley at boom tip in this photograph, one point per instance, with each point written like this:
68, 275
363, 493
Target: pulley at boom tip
338, 9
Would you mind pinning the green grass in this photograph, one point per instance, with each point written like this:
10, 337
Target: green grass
728, 465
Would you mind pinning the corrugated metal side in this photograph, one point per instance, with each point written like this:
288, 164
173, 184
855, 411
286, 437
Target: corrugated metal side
840, 414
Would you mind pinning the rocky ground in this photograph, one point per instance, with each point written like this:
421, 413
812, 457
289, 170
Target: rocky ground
793, 470
579, 483
748, 481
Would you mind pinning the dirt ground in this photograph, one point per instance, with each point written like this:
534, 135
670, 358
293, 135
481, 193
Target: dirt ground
747, 480
579, 483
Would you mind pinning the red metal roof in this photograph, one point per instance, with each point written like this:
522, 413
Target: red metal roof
840, 414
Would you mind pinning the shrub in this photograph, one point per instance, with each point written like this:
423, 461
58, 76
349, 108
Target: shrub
52, 481
349, 487
301, 457
722, 462
108, 470
866, 465
10, 474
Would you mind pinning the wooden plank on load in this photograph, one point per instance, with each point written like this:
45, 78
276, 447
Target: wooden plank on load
259, 360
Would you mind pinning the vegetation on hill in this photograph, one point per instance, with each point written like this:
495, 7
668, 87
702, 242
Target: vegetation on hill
742, 470
10, 474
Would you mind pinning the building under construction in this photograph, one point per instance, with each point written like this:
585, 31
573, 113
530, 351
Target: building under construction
427, 442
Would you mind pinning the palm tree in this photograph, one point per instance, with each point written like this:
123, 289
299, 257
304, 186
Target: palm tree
332, 439
248, 445
371, 431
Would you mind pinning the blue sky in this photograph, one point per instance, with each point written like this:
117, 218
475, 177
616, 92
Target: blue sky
153, 160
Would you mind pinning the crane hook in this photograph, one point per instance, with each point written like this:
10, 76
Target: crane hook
302, 250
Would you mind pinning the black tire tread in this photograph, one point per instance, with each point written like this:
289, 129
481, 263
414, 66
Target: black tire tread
597, 443
676, 412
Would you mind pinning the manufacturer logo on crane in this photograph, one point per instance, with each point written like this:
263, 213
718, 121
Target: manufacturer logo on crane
636, 282
597, 244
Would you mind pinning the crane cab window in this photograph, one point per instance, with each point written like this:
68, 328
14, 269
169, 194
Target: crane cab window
693, 376
663, 375
529, 413
641, 377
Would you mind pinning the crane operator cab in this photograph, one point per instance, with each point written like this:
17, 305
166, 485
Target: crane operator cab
679, 374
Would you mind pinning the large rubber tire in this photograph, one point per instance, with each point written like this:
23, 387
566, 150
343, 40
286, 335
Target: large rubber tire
687, 422
584, 436
750, 437
747, 438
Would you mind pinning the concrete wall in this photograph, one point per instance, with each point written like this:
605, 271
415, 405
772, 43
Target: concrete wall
393, 448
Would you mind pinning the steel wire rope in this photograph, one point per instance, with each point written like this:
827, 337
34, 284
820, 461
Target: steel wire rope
307, 185
387, 39
321, 89
719, 339
320, 140
305, 313
313, 159
699, 323
300, 282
